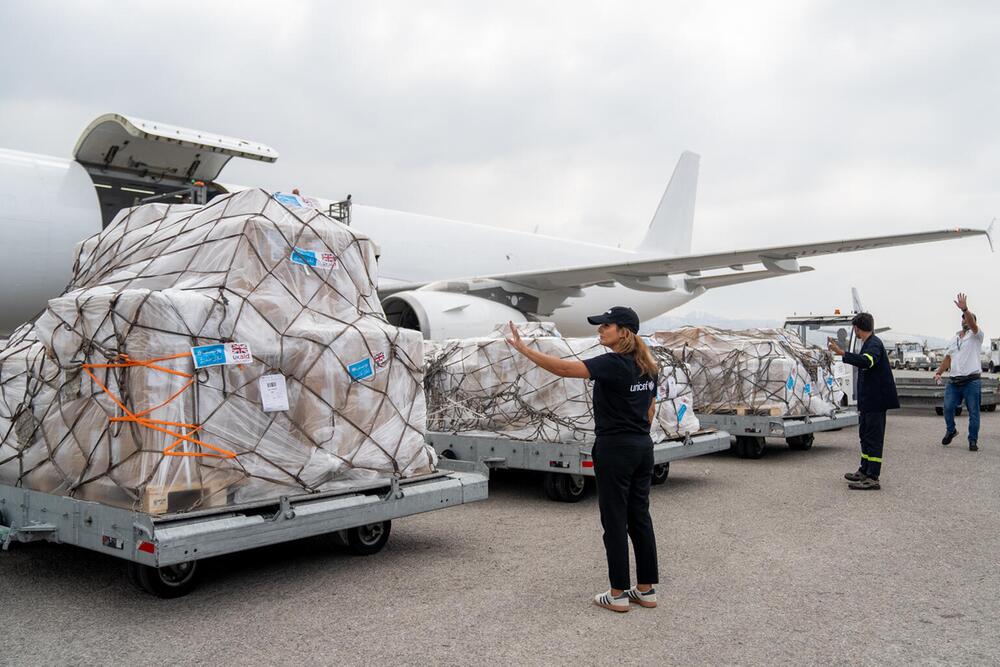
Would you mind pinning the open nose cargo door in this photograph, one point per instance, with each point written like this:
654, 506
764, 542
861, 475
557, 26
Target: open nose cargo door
134, 161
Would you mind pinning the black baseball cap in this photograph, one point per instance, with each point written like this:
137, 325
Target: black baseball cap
620, 315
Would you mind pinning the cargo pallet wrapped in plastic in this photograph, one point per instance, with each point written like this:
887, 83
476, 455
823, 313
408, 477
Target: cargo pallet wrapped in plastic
211, 355
754, 372
483, 386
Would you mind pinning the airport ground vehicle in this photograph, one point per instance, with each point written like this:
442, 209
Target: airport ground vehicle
924, 392
163, 551
910, 356
565, 465
799, 432
992, 361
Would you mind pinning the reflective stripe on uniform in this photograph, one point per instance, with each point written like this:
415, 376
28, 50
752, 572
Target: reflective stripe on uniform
873, 459
871, 359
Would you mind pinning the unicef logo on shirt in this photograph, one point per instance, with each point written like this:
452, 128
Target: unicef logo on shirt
648, 385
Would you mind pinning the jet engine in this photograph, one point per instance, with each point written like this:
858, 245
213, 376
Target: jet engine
441, 315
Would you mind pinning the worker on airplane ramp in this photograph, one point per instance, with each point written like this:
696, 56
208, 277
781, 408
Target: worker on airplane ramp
624, 405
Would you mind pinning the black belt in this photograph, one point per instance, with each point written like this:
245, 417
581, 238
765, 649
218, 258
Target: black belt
962, 380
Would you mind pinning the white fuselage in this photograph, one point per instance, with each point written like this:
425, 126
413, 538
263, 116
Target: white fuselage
48, 205
419, 248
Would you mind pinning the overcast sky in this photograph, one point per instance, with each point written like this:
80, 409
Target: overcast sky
814, 121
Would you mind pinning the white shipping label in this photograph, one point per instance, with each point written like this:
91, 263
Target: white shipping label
273, 393
668, 390
672, 390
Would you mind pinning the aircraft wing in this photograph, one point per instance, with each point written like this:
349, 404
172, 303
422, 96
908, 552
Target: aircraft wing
551, 287
654, 274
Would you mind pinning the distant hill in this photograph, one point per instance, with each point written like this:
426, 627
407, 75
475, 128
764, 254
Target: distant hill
700, 318
703, 319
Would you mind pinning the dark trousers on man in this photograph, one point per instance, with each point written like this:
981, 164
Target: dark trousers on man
624, 474
871, 431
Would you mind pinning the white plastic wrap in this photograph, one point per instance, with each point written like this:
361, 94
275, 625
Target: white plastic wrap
756, 371
295, 287
482, 385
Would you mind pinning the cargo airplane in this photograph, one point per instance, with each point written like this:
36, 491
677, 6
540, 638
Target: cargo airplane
445, 278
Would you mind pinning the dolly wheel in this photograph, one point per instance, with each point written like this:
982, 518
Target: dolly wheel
660, 472
368, 540
801, 442
939, 410
564, 487
749, 447
448, 454
170, 581
991, 408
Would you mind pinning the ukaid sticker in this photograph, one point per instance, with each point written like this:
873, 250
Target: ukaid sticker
221, 354
273, 393
318, 259
681, 411
790, 383
808, 389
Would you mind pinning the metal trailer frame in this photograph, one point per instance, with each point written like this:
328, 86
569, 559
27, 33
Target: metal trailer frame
566, 464
798, 431
163, 550
924, 392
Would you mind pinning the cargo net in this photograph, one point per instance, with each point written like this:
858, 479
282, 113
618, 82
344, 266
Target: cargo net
483, 386
303, 385
756, 371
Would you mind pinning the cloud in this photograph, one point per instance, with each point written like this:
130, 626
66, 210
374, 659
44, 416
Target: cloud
814, 120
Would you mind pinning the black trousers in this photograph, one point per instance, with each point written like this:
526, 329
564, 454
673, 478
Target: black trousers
624, 474
871, 431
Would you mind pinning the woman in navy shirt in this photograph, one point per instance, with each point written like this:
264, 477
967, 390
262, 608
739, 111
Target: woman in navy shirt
624, 404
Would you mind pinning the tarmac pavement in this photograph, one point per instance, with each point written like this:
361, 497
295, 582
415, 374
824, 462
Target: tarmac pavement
771, 561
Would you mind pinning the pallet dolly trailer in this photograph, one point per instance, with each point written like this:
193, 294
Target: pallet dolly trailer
924, 392
565, 465
798, 431
163, 551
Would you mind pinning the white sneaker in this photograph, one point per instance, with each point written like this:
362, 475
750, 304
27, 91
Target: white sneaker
647, 599
614, 603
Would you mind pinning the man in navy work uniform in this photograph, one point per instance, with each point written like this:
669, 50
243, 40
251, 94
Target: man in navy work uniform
876, 395
965, 382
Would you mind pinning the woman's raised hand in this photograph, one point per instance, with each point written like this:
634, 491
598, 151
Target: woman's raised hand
515, 338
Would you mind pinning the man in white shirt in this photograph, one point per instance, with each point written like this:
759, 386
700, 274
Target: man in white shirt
963, 359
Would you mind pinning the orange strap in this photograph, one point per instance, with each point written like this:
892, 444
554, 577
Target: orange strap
123, 361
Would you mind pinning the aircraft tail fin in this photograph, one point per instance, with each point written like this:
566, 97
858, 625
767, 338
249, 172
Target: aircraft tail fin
671, 228
856, 298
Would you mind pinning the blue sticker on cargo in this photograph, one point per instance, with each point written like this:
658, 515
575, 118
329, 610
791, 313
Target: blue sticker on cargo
209, 355
791, 383
808, 388
682, 411
360, 370
303, 257
288, 200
